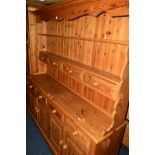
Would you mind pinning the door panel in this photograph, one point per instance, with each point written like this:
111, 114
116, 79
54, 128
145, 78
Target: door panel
72, 148
43, 114
32, 102
56, 132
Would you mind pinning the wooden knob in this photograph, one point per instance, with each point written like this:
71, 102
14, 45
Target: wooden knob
64, 146
75, 133
70, 71
40, 97
54, 111
30, 86
57, 64
37, 109
61, 142
95, 84
67, 68
78, 118
42, 58
54, 63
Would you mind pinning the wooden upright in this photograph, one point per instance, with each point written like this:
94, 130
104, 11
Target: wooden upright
77, 85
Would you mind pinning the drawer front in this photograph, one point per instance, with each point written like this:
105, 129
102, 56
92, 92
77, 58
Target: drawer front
102, 85
41, 99
55, 113
56, 133
73, 71
78, 137
32, 89
54, 62
54, 67
43, 57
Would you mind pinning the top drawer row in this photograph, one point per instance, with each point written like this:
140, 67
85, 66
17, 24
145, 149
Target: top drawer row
96, 82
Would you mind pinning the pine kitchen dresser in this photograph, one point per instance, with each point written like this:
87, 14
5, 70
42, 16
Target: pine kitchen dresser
77, 74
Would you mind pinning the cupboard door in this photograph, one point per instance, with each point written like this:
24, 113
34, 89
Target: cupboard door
32, 101
77, 136
72, 148
56, 133
43, 114
34, 106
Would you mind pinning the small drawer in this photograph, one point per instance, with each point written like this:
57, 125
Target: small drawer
54, 62
41, 99
55, 112
73, 71
78, 136
43, 57
108, 88
32, 89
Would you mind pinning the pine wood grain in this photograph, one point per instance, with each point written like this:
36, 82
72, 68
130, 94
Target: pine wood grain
80, 81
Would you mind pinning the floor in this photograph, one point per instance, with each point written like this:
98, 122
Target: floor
36, 145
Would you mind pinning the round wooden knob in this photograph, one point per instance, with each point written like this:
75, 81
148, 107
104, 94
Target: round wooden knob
67, 68
30, 86
95, 84
42, 58
64, 146
54, 63
75, 133
40, 97
61, 142
78, 118
37, 109
57, 64
54, 111
70, 71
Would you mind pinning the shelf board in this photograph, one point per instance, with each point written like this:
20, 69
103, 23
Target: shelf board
100, 73
87, 39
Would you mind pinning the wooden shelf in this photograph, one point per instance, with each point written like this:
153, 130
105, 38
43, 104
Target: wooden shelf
88, 39
71, 104
102, 74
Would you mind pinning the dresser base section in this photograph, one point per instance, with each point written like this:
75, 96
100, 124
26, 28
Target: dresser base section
109, 146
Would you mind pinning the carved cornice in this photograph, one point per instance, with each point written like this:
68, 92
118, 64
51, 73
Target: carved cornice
73, 10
